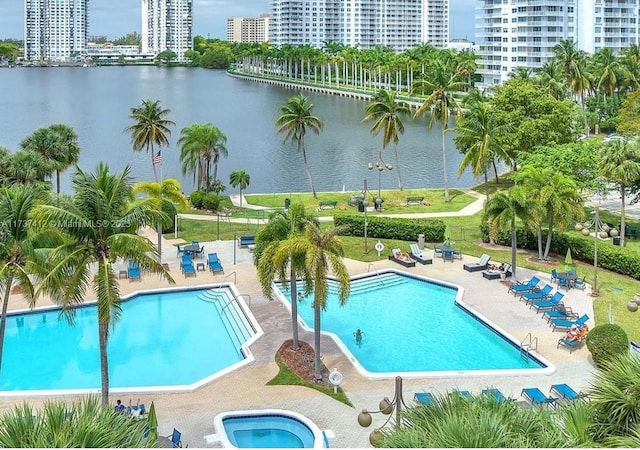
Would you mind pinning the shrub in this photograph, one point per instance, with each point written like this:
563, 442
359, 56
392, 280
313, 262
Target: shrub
393, 228
170, 210
196, 198
210, 201
605, 342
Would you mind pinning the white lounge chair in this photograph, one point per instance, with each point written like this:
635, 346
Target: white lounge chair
417, 255
479, 265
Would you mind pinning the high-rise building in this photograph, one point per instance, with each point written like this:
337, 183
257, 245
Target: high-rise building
399, 24
248, 30
522, 33
55, 30
166, 25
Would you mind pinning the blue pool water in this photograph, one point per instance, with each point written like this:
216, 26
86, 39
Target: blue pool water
412, 325
267, 431
162, 339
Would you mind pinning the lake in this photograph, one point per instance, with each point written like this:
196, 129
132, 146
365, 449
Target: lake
96, 102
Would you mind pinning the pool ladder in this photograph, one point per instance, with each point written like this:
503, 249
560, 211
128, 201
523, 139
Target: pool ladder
528, 343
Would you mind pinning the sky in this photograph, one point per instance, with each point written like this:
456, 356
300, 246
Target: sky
115, 18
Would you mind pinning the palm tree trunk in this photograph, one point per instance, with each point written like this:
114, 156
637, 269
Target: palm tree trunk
622, 224
57, 181
584, 116
486, 191
395, 154
495, 170
447, 199
539, 233
549, 237
514, 247
306, 167
155, 172
316, 339
294, 310
5, 305
159, 228
103, 328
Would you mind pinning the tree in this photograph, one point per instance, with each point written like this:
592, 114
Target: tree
321, 252
629, 115
239, 178
83, 423
439, 85
150, 128
619, 161
283, 225
295, 119
169, 191
103, 223
202, 145
27, 167
166, 56
386, 112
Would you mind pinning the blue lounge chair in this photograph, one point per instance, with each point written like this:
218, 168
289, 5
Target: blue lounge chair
571, 344
188, 270
565, 324
560, 312
519, 289
567, 392
537, 398
175, 438
464, 394
480, 265
425, 398
542, 294
214, 263
495, 394
133, 271
418, 256
554, 275
547, 304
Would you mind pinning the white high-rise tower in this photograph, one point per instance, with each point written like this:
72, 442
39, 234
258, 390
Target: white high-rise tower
166, 25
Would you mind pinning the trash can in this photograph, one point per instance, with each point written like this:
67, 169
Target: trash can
421, 241
287, 203
360, 206
616, 240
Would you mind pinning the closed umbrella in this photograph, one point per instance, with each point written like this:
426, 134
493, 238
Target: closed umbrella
152, 421
567, 260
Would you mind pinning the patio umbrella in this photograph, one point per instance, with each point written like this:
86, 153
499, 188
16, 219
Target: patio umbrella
447, 235
567, 260
152, 421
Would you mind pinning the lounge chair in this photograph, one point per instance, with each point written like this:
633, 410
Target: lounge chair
519, 289
417, 254
479, 265
246, 240
560, 311
570, 344
188, 270
175, 438
542, 294
537, 398
214, 263
464, 394
495, 394
554, 275
494, 274
401, 258
133, 271
543, 305
425, 398
567, 392
565, 324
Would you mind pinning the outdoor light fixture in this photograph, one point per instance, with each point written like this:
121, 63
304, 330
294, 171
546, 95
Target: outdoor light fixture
386, 407
381, 166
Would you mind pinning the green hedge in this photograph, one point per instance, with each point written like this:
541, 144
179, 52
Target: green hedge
605, 342
393, 228
622, 260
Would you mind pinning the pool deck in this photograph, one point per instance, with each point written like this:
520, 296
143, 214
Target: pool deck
192, 413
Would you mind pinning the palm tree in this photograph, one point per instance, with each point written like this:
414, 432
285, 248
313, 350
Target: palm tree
202, 146
167, 192
69, 148
502, 210
619, 161
387, 113
321, 252
150, 128
282, 225
438, 87
240, 178
295, 119
105, 223
16, 247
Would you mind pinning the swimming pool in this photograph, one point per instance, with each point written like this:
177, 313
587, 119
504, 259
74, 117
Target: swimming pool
415, 326
271, 428
168, 339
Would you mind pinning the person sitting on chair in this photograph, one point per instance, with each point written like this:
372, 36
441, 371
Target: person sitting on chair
573, 333
119, 407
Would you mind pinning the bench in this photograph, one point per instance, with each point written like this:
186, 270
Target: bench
327, 205
631, 231
414, 200
355, 200
246, 241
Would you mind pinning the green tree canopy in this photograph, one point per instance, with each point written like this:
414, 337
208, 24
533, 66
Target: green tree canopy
629, 115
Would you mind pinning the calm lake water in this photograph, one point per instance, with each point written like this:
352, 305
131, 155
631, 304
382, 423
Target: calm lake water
96, 102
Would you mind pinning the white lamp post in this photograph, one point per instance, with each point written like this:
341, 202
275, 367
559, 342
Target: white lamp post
380, 165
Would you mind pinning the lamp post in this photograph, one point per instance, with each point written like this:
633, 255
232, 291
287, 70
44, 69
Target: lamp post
386, 407
381, 166
364, 207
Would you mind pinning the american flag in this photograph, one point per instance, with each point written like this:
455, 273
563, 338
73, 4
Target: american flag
157, 158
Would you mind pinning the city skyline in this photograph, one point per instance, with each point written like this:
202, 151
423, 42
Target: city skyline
115, 19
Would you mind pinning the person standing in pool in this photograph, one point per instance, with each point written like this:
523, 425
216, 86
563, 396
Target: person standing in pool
358, 335
300, 296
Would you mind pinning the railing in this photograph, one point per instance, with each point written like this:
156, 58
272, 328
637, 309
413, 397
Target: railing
528, 343
370, 266
228, 275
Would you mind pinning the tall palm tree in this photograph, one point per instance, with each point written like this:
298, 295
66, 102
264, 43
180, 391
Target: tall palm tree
150, 128
239, 178
502, 210
202, 145
387, 113
619, 161
107, 220
322, 252
609, 71
68, 147
169, 191
295, 119
438, 86
282, 225
16, 247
